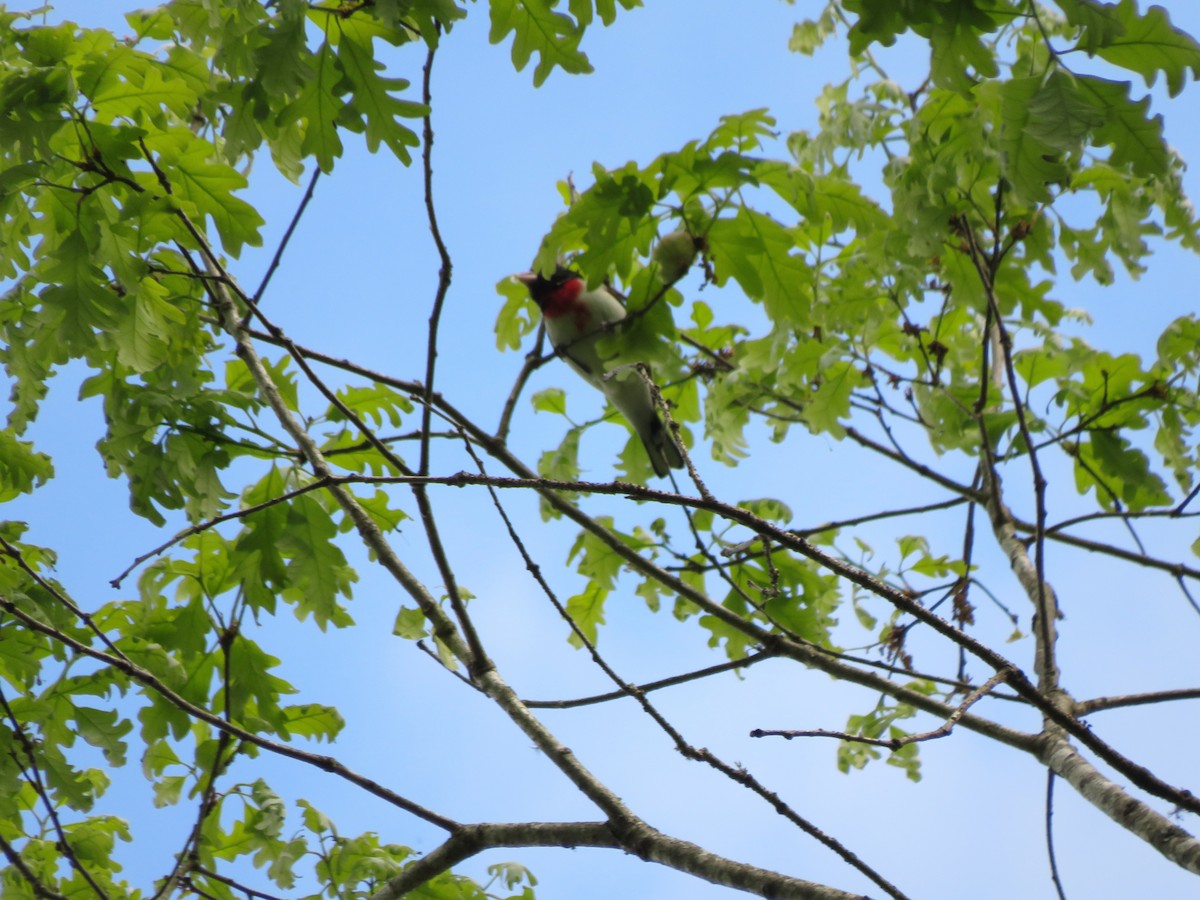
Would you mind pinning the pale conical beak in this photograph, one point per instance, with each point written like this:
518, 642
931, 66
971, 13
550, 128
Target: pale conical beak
526, 278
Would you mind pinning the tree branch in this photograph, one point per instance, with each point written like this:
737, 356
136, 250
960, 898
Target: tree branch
1110, 798
894, 744
1100, 704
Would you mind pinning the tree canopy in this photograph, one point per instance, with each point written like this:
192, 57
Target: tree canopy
930, 489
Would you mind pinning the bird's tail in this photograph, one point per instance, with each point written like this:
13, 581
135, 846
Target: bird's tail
661, 448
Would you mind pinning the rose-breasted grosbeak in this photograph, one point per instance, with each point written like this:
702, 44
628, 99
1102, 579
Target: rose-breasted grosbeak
576, 319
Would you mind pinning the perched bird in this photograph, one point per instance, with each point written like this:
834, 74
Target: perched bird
576, 319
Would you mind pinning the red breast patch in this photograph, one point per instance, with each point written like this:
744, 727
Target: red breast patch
564, 300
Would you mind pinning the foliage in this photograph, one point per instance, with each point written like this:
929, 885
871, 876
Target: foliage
923, 322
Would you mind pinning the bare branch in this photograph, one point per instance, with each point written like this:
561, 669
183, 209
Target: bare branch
287, 235
250, 893
652, 686
14, 554
534, 360
477, 661
1050, 776
217, 520
896, 743
1157, 830
1179, 570
737, 774
469, 840
1100, 704
642, 841
1039, 592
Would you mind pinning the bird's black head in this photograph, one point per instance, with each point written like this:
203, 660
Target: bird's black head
542, 287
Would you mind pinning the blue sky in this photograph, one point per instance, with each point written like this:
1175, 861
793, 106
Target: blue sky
356, 283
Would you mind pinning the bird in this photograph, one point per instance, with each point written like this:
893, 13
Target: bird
576, 319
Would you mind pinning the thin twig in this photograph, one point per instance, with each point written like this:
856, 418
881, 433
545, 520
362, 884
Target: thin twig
1179, 570
217, 520
1050, 776
737, 774
534, 360
744, 663
478, 661
1099, 704
287, 235
1043, 597
896, 743
13, 553
229, 882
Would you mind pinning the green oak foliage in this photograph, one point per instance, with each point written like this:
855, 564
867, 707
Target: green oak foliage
122, 187
121, 171
877, 307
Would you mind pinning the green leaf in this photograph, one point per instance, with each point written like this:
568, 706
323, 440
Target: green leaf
611, 220
912, 543
1027, 112
92, 841
1149, 44
282, 57
168, 790
316, 110
317, 571
78, 300
742, 132
103, 728
600, 565
551, 400
537, 28
607, 10
1100, 23
379, 507
69, 786
879, 21
315, 820
829, 405
516, 317
808, 36
376, 403
253, 692
958, 56
586, 610
159, 756
205, 188
560, 464
374, 98
1060, 114
512, 875
1118, 472
410, 624
1136, 138
146, 326
144, 92
312, 720
22, 469
755, 250
836, 201
425, 15
32, 102
258, 544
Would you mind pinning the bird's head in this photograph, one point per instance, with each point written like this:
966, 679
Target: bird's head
545, 290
